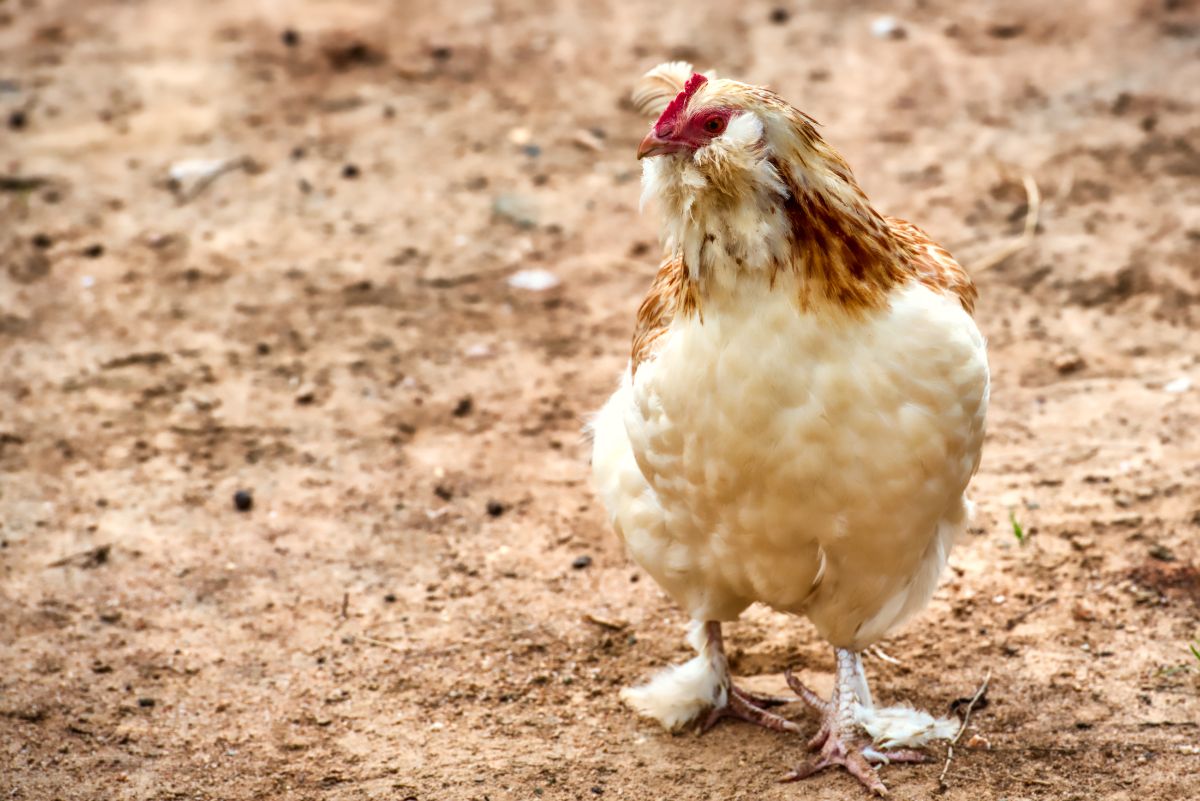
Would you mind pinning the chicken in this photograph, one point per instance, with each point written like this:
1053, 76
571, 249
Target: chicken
802, 411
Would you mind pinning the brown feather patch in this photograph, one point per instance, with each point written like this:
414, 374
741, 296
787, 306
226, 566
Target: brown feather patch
854, 256
933, 265
846, 254
673, 292
847, 257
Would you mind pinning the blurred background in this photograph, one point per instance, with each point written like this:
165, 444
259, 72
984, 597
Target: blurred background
303, 306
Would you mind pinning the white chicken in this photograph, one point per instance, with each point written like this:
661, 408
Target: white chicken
803, 410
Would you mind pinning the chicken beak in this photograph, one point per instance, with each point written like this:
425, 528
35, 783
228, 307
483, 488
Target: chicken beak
653, 145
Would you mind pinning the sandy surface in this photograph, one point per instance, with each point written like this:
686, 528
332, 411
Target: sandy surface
329, 326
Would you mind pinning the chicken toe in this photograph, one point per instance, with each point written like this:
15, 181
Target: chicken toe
856, 754
841, 741
752, 708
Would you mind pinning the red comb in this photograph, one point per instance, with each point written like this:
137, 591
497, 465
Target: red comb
666, 123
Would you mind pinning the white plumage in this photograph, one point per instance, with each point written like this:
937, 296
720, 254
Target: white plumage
740, 460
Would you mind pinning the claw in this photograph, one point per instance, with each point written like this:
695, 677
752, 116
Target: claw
839, 742
854, 762
814, 765
899, 755
751, 708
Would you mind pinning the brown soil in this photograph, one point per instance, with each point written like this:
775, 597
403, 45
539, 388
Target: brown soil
343, 343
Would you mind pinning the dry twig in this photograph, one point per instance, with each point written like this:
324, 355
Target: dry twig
942, 786
883, 655
1033, 209
92, 557
188, 179
22, 183
604, 623
1014, 621
382, 643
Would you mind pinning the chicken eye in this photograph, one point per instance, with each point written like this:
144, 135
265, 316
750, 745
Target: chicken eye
714, 125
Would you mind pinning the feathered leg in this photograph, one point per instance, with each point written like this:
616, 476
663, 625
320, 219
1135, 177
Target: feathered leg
841, 739
701, 689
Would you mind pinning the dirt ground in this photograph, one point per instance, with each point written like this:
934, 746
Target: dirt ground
406, 611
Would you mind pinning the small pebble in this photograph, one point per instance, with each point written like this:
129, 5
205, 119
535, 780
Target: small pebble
290, 38
441, 53
17, 120
535, 280
146, 703
390, 598
1162, 553
587, 140
581, 562
94, 251
887, 28
780, 15
350, 172
243, 500
1069, 363
495, 508
1006, 30
1083, 613
464, 406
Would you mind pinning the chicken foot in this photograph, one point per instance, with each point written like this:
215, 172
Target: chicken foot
840, 741
742, 704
